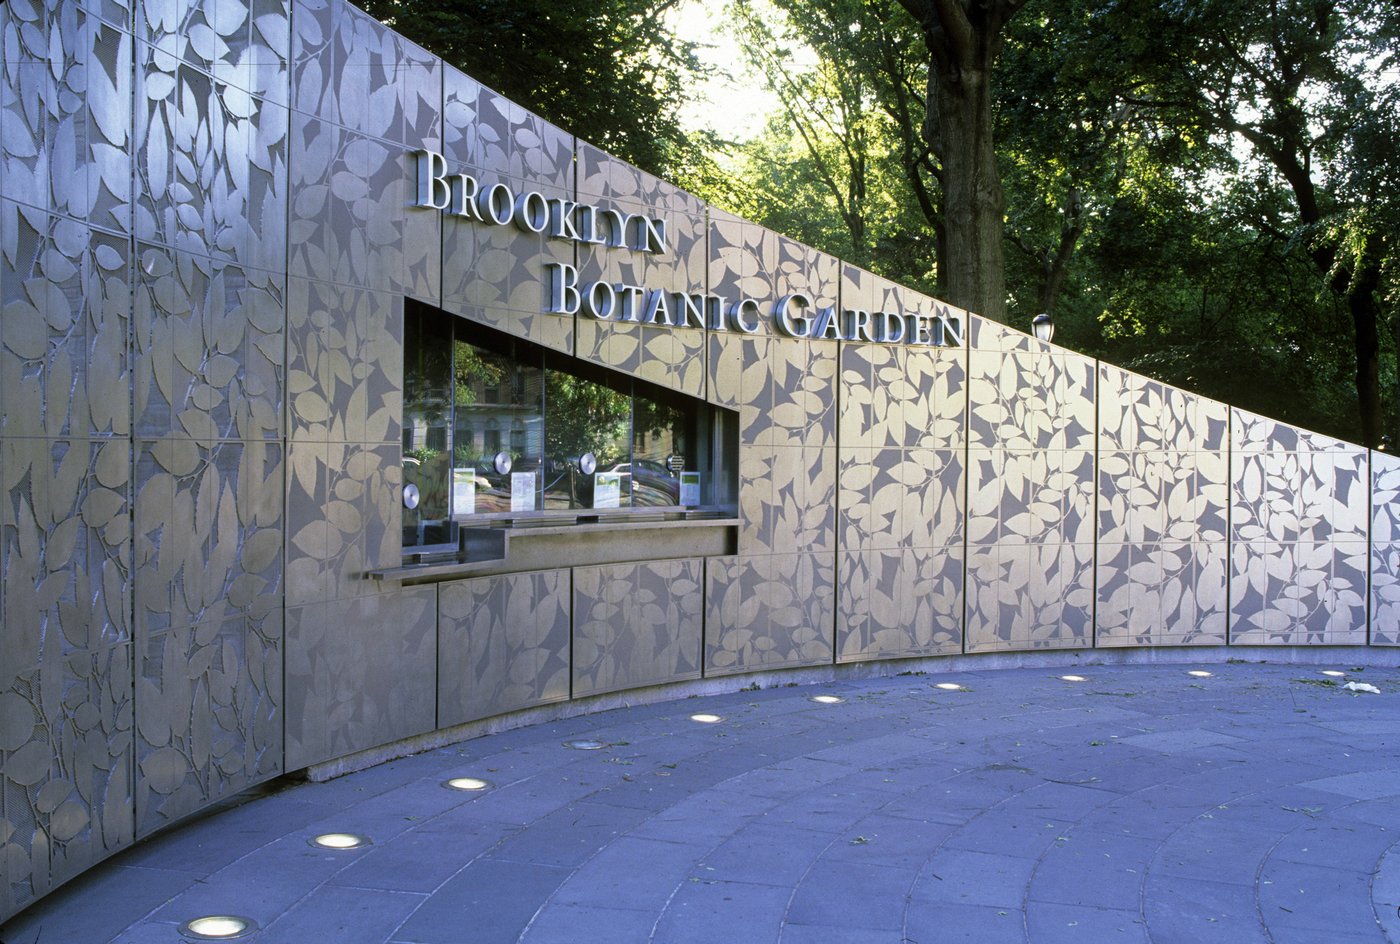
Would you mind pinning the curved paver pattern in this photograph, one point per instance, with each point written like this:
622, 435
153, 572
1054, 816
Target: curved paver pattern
1142, 804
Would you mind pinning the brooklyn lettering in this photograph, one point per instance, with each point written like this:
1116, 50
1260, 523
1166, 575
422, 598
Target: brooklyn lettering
462, 195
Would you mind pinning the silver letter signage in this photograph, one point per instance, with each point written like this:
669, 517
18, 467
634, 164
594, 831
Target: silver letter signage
795, 315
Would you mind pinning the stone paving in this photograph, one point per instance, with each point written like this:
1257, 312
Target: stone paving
1259, 803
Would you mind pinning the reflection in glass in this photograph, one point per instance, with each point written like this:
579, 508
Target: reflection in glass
499, 395
584, 415
662, 448
427, 408
471, 393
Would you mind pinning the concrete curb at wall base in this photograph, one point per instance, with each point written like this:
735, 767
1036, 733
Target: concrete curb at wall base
936, 665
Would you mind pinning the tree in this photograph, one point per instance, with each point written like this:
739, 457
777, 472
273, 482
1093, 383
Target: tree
609, 71
1292, 84
963, 39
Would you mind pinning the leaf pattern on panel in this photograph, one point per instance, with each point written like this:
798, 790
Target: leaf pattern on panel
503, 644
724, 364
65, 662
363, 98
1385, 550
342, 518
893, 498
1139, 414
1030, 578
65, 745
211, 165
755, 401
350, 220
244, 43
1300, 509
1161, 593
339, 699
1023, 597
66, 110
496, 274
1303, 593
902, 474
66, 545
748, 261
344, 363
803, 410
1031, 400
801, 489
1161, 514
350, 69
208, 714
636, 624
208, 348
987, 335
893, 603
673, 356
1288, 496
208, 519
766, 612
898, 395
66, 300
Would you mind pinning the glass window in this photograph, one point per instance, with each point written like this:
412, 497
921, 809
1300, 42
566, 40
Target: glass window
427, 414
477, 401
586, 414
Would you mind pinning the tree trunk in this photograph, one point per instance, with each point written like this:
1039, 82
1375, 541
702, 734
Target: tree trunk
972, 267
1365, 317
963, 38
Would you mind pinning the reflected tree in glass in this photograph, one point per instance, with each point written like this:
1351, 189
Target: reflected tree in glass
583, 416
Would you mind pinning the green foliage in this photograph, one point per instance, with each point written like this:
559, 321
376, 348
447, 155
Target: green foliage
586, 417
609, 71
1205, 193
423, 454
830, 167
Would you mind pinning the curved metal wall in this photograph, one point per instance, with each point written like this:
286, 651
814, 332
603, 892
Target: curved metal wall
206, 241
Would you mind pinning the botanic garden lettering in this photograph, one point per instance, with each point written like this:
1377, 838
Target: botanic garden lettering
794, 315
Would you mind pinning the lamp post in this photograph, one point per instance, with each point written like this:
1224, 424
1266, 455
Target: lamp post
1043, 327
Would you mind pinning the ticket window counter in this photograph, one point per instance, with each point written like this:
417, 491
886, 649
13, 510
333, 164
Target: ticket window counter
498, 429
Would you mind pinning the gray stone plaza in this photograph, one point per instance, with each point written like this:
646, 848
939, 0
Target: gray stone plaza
1259, 802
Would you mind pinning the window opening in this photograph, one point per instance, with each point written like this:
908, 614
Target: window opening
495, 426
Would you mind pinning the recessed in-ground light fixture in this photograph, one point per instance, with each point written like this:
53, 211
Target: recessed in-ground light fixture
586, 744
1073, 678
467, 784
1199, 673
949, 686
218, 928
340, 841
705, 718
1333, 673
828, 699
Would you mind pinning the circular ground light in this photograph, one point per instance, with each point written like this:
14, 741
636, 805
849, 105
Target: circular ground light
1199, 673
1073, 678
467, 784
1333, 673
586, 744
218, 928
949, 686
706, 718
828, 699
340, 841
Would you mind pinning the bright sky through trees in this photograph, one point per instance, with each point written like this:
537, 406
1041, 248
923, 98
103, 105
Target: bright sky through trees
733, 101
